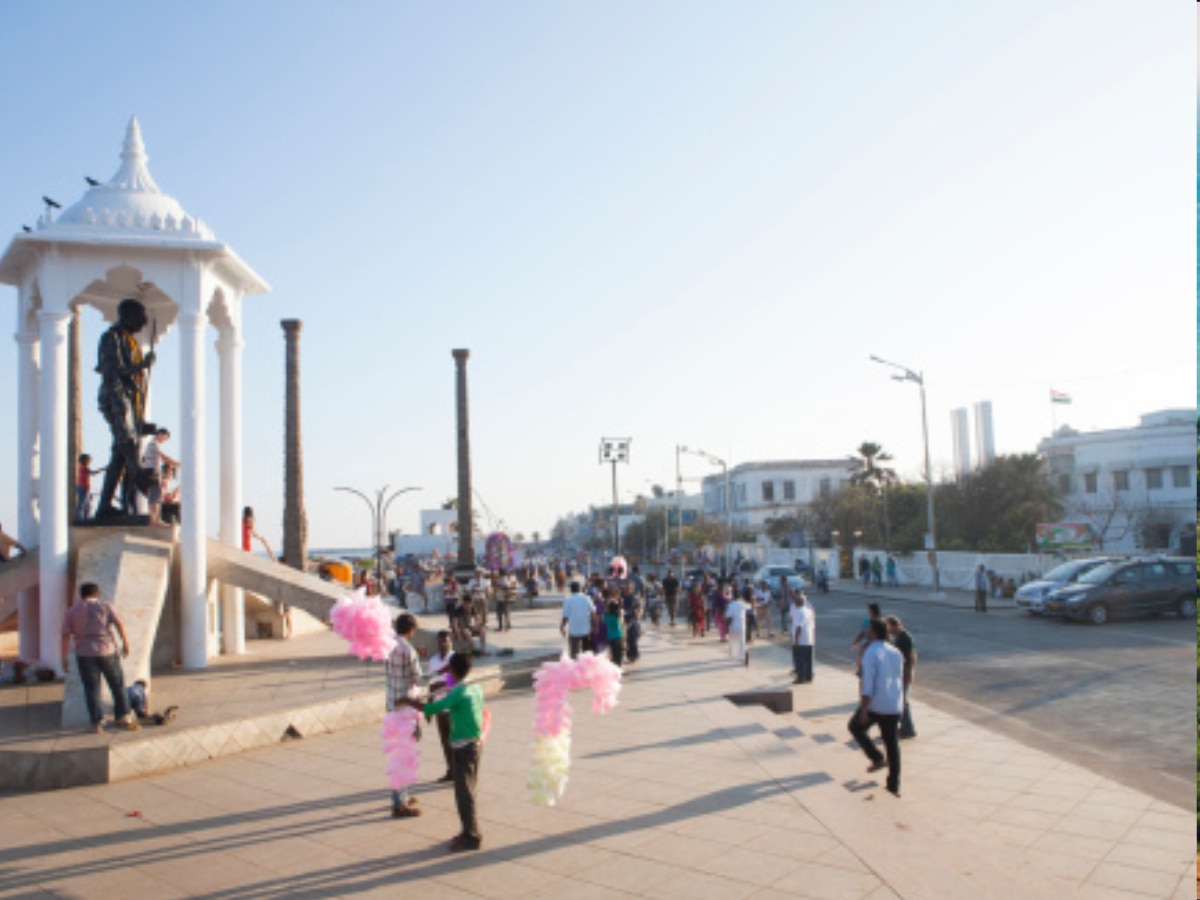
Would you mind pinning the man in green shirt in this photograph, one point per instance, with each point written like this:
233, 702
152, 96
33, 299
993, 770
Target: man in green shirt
464, 703
904, 643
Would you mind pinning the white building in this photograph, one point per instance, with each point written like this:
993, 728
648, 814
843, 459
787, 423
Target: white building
767, 490
985, 439
962, 441
1136, 487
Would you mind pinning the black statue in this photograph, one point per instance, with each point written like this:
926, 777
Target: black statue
123, 379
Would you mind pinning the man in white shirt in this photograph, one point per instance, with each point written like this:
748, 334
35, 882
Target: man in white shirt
735, 616
804, 634
578, 620
882, 702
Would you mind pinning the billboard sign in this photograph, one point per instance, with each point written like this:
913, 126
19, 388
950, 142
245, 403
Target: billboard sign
1064, 536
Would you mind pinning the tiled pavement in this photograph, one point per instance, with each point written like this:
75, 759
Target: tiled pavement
677, 793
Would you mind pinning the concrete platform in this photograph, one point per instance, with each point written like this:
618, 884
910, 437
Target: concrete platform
281, 690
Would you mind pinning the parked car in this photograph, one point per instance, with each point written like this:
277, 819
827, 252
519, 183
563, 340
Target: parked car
1135, 587
772, 574
1031, 596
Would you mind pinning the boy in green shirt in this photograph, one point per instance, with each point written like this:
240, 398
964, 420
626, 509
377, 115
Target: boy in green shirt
464, 703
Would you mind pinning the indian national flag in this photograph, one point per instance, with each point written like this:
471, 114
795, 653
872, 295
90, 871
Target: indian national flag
1059, 397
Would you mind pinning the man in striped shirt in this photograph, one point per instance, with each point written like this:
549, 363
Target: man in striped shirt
403, 671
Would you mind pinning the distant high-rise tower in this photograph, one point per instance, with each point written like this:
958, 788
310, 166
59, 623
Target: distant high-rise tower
962, 441
985, 439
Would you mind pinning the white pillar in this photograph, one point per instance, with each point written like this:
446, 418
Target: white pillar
192, 555
233, 608
52, 485
28, 356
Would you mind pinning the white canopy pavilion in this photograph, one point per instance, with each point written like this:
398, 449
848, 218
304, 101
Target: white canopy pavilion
125, 238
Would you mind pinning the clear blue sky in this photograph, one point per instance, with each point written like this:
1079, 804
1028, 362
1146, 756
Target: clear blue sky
686, 222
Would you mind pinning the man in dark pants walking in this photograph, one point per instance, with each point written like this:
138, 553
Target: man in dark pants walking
981, 589
881, 703
670, 586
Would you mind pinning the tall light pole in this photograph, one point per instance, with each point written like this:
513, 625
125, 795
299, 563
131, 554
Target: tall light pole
919, 378
378, 519
717, 461
615, 450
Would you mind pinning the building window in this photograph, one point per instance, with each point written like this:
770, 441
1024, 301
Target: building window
1181, 476
1089, 482
1064, 483
741, 493
1153, 479
826, 487
768, 491
1121, 480
789, 490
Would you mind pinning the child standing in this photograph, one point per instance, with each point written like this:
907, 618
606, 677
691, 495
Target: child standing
614, 626
464, 703
403, 671
83, 487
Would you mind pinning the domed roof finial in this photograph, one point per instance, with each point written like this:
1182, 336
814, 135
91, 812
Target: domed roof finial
133, 174
134, 148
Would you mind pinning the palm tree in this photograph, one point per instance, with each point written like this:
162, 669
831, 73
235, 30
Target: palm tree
874, 477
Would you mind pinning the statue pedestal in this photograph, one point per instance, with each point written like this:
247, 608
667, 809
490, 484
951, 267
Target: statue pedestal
133, 574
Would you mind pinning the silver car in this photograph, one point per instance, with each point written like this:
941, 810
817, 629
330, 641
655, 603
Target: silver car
1031, 597
772, 573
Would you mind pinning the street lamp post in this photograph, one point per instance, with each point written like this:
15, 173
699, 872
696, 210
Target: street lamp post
378, 519
716, 460
919, 378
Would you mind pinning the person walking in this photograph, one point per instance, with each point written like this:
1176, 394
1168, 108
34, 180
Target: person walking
631, 608
881, 703
981, 588
864, 570
578, 621
804, 633
733, 617
402, 669
670, 587
903, 642
890, 568
720, 600
784, 597
91, 622
863, 638
506, 594
696, 609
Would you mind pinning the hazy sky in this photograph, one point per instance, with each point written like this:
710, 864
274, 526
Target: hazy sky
683, 222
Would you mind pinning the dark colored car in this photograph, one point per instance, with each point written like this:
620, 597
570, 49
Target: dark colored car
1135, 587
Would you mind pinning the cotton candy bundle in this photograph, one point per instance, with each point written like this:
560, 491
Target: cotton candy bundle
551, 761
364, 622
400, 747
553, 683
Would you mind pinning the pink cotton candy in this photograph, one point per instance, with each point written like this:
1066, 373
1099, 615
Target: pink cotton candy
400, 747
553, 683
366, 623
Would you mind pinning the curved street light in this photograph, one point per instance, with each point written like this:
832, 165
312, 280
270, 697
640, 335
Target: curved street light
717, 461
378, 519
919, 379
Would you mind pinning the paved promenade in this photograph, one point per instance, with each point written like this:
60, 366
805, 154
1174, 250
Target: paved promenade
677, 793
